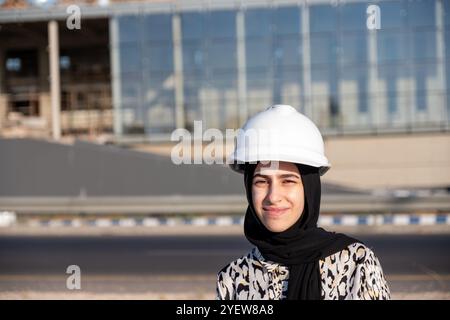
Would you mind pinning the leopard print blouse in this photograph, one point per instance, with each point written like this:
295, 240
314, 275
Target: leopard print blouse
353, 273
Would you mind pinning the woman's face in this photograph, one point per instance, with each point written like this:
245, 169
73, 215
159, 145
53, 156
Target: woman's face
278, 196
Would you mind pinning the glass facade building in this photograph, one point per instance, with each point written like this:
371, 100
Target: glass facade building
223, 63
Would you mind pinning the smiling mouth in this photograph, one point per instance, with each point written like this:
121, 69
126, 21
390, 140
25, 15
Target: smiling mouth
274, 212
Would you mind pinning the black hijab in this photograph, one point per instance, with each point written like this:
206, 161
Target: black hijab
301, 246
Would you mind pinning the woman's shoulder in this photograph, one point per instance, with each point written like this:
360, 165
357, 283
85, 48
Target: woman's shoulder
356, 253
356, 271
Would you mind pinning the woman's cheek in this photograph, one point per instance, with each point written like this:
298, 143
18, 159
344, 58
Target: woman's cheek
257, 201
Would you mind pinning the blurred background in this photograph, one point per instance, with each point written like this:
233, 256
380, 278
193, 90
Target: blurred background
91, 92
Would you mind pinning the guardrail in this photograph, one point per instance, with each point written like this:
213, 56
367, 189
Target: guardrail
215, 205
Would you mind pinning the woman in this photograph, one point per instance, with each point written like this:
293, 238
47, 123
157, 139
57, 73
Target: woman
292, 258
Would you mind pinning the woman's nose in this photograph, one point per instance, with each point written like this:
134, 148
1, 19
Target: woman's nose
273, 195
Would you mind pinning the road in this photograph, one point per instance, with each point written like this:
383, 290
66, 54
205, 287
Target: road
185, 266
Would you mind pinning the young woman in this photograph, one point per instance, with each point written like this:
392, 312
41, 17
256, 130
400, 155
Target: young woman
292, 257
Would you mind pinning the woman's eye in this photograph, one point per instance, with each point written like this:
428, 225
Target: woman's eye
259, 182
289, 181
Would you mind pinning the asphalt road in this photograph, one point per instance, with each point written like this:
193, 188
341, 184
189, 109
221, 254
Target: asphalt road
165, 264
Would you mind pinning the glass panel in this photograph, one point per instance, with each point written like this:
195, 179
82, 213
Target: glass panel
221, 24
258, 79
353, 17
354, 49
324, 81
323, 49
130, 57
131, 89
447, 57
266, 22
258, 23
395, 81
258, 53
323, 18
193, 57
193, 26
209, 68
353, 85
425, 84
287, 51
132, 103
393, 14
157, 28
424, 44
129, 28
446, 13
159, 103
286, 21
392, 47
147, 82
221, 54
421, 13
158, 57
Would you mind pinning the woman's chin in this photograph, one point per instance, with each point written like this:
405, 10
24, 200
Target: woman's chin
276, 226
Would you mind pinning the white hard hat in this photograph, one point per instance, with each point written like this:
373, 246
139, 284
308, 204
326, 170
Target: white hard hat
279, 133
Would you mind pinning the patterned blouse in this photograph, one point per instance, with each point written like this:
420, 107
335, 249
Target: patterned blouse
353, 273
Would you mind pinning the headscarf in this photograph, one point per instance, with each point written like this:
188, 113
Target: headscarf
302, 245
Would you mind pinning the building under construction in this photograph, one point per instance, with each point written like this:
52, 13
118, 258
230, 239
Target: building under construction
374, 79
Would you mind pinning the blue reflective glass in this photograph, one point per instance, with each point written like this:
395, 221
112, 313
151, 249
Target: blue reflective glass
286, 20
130, 57
193, 57
261, 78
221, 24
323, 49
287, 51
329, 76
158, 57
394, 72
393, 14
157, 28
292, 75
421, 13
193, 25
447, 57
322, 18
224, 80
424, 44
353, 17
446, 13
258, 53
130, 29
392, 47
423, 72
258, 23
354, 49
221, 54
192, 83
130, 89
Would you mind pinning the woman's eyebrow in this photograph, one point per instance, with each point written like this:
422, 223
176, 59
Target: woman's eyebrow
287, 175
257, 175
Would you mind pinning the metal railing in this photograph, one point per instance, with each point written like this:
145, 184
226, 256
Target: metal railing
232, 204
